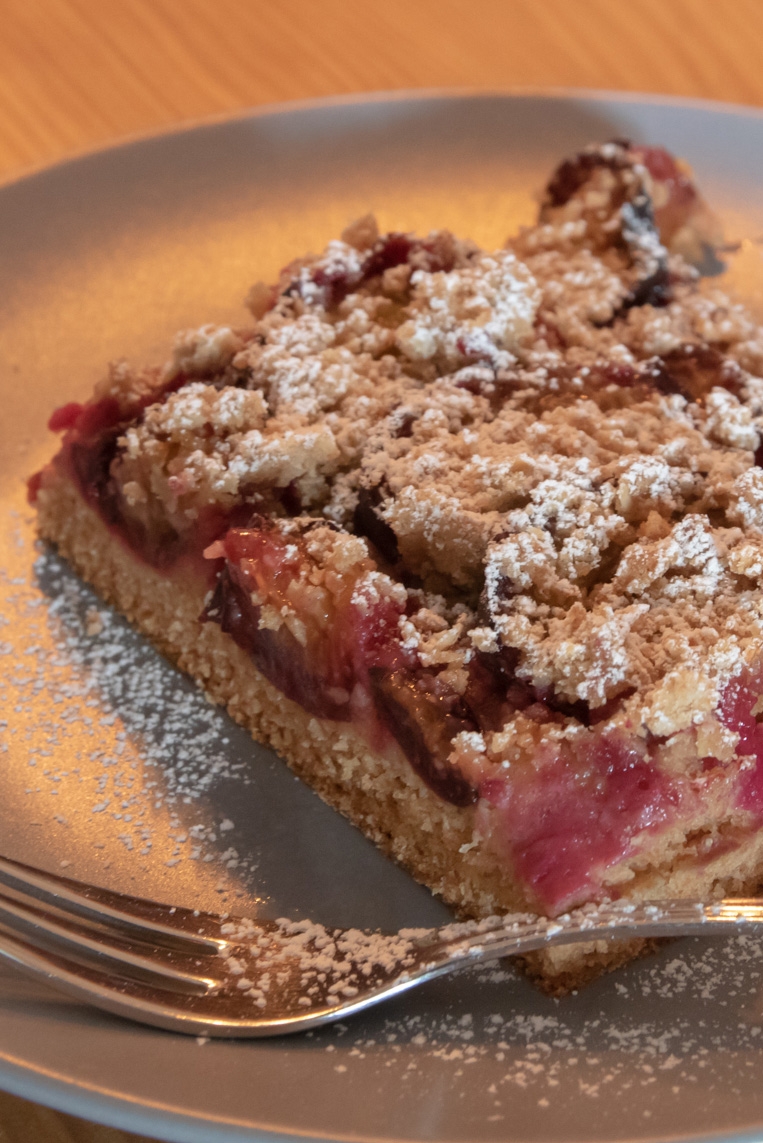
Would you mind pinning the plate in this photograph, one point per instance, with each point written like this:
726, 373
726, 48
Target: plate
115, 769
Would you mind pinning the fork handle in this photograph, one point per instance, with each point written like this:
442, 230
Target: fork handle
510, 936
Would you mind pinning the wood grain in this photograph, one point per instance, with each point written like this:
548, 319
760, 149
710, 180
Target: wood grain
81, 73
25, 1122
76, 73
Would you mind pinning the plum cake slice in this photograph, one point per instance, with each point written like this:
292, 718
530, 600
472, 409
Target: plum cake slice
474, 539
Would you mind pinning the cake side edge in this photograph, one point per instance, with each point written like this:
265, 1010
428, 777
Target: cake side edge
379, 794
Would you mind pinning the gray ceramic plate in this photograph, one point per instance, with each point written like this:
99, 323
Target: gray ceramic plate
115, 769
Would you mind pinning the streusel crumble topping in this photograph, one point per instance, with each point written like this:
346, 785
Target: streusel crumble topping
550, 448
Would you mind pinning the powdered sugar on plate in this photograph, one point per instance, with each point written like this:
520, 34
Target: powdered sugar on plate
685, 1024
100, 736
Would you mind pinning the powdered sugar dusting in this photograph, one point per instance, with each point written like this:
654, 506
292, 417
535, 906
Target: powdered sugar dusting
127, 750
673, 1029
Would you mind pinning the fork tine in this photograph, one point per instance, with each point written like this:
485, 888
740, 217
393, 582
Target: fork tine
176, 927
214, 1014
128, 998
165, 968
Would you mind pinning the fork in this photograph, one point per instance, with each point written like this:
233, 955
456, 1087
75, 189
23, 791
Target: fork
218, 975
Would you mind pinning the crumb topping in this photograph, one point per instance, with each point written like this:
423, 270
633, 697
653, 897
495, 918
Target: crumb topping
485, 311
550, 450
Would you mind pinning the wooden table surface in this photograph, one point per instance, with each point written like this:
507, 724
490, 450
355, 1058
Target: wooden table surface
76, 74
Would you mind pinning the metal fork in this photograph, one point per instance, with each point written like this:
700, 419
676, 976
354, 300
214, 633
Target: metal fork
213, 975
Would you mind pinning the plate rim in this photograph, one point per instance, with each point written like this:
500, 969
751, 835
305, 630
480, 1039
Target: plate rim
382, 95
97, 1104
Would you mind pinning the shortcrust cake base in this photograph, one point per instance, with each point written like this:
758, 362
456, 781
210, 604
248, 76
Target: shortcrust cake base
379, 793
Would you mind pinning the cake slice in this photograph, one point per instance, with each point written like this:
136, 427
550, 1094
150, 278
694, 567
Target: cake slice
473, 539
